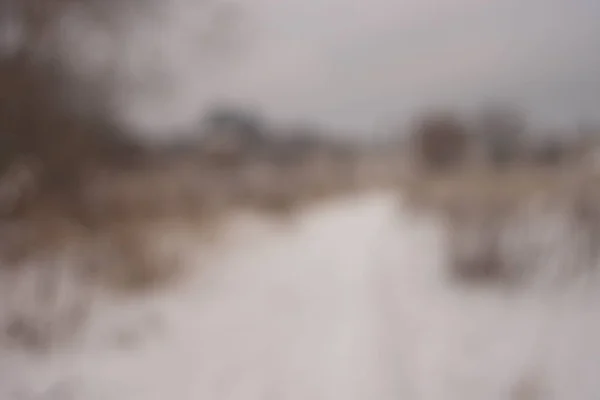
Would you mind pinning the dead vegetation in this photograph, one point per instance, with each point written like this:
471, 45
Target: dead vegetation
515, 227
73, 179
440, 142
516, 211
76, 186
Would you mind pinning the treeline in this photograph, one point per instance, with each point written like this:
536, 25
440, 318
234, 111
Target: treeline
497, 138
44, 141
38, 126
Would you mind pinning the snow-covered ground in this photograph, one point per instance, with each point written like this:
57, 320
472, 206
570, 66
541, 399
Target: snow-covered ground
347, 301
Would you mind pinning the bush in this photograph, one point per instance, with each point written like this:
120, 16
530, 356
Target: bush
440, 141
550, 153
501, 131
37, 126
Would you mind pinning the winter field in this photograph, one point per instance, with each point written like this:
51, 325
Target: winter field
230, 200
371, 295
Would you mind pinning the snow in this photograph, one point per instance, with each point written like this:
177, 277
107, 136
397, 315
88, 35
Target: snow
348, 300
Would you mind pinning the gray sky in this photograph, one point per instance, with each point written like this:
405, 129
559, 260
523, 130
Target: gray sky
359, 65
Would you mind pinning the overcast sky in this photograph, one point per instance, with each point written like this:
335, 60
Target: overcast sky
363, 64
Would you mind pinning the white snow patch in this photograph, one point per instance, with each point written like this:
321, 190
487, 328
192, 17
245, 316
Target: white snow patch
349, 301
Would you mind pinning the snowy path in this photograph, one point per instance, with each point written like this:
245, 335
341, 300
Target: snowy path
348, 302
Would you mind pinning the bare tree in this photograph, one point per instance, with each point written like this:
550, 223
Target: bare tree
36, 124
233, 132
501, 129
550, 152
440, 140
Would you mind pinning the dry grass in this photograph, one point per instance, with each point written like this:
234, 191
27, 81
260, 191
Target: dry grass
520, 226
115, 217
112, 213
494, 188
111, 234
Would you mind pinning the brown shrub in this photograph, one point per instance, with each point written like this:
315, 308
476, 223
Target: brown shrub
440, 141
475, 254
501, 129
39, 132
551, 238
35, 123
